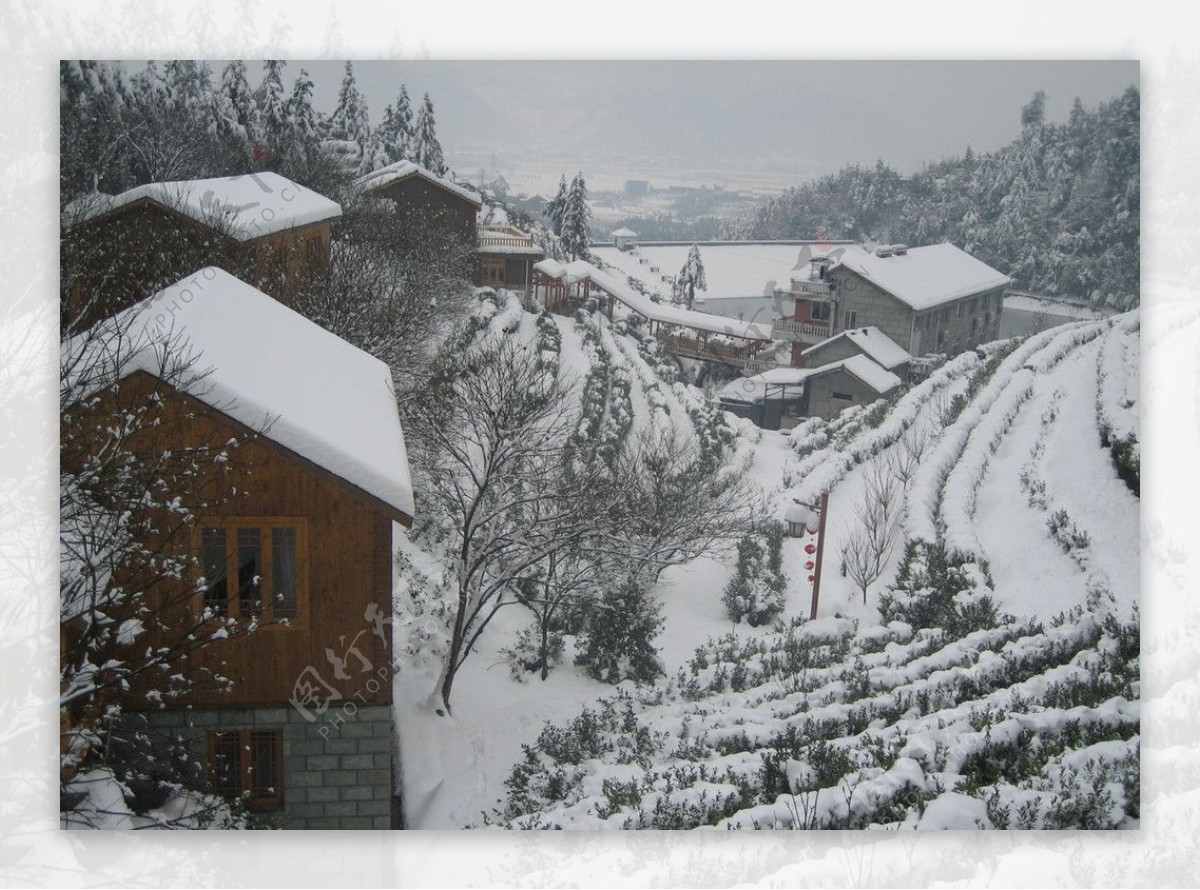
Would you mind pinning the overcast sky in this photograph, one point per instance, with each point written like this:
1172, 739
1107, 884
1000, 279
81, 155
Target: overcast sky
756, 124
724, 121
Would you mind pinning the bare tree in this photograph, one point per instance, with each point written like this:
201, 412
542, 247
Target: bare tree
877, 529
904, 458
134, 477
488, 434
395, 286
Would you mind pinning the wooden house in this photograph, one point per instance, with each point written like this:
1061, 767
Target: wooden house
934, 299
506, 255
300, 549
262, 227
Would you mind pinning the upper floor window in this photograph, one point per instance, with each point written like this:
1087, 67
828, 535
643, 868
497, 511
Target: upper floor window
849, 319
818, 310
254, 568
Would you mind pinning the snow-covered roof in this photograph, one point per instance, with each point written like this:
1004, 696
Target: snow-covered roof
624, 233
731, 270
578, 270
879, 379
781, 383
871, 341
551, 267
923, 277
400, 170
245, 207
274, 370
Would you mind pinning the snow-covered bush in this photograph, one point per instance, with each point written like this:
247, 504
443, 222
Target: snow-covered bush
756, 591
618, 641
525, 654
937, 589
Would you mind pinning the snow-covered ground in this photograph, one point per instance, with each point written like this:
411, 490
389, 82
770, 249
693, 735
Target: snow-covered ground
1027, 411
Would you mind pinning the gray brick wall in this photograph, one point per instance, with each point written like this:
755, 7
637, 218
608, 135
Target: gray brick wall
821, 402
337, 771
874, 306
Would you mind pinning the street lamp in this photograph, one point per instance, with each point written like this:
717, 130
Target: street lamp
806, 515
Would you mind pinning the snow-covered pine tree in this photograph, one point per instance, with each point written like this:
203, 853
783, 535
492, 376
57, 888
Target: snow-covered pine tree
348, 130
273, 108
239, 113
690, 279
554, 208
427, 151
576, 219
399, 141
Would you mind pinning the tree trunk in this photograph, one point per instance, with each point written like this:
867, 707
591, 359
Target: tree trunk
544, 654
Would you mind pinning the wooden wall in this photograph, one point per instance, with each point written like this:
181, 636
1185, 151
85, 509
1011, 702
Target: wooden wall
123, 257
348, 565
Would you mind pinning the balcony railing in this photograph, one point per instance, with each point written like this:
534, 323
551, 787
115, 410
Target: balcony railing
805, 331
811, 287
752, 366
503, 236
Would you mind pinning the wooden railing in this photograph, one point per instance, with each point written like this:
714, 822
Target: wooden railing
503, 236
814, 287
725, 353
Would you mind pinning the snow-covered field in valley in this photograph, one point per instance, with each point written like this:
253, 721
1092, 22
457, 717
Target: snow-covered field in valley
989, 680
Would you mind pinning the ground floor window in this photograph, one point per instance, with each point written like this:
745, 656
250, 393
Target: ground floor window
247, 764
493, 273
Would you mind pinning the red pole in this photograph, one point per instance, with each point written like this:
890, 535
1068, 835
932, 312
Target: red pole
824, 508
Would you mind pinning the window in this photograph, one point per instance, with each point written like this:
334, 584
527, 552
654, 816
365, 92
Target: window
845, 397
254, 568
962, 308
849, 319
974, 305
493, 272
247, 763
818, 311
946, 314
930, 321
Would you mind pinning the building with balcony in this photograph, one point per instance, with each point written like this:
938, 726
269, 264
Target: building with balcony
934, 299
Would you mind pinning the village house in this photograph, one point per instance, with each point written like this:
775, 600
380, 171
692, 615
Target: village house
262, 227
934, 299
821, 391
302, 550
506, 254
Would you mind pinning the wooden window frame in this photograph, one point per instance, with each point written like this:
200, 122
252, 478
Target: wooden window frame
849, 319
265, 524
244, 784
497, 266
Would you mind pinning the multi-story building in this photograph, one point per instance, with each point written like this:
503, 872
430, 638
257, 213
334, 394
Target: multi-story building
935, 299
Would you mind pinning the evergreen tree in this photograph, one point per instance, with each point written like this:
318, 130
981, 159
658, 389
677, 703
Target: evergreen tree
237, 111
273, 107
395, 133
576, 219
555, 206
690, 279
618, 643
1034, 114
300, 115
427, 151
350, 121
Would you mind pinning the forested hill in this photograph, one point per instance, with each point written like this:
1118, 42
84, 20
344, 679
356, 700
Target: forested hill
1057, 208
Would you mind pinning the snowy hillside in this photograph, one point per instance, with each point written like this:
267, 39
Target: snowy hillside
987, 678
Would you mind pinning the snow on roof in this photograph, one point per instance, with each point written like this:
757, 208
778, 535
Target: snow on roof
879, 379
624, 233
731, 270
871, 341
778, 383
551, 267
246, 207
274, 370
924, 277
578, 270
400, 170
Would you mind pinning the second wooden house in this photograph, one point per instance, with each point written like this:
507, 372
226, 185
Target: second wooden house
264, 228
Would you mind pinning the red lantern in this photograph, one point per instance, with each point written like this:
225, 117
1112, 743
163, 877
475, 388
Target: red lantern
810, 549
812, 578
809, 565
